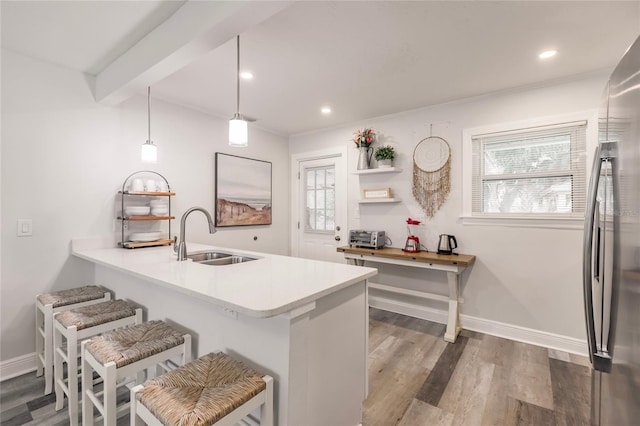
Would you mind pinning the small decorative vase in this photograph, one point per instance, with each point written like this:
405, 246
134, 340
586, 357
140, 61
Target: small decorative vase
385, 163
364, 157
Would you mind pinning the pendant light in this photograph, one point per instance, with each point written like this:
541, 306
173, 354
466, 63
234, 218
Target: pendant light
149, 152
238, 125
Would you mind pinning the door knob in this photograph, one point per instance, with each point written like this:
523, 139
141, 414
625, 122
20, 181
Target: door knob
337, 238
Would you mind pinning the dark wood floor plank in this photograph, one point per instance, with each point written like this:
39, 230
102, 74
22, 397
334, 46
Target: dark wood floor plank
435, 385
18, 415
20, 390
41, 401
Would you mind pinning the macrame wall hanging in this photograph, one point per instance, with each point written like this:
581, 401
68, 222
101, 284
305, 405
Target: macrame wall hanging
431, 173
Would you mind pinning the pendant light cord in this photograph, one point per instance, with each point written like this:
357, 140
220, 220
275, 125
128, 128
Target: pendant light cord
238, 77
149, 111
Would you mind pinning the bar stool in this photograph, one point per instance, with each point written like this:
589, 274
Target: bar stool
78, 324
48, 304
122, 354
213, 389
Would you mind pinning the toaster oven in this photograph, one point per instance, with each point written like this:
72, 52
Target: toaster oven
367, 239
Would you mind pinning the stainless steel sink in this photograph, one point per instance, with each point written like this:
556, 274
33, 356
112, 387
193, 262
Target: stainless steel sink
228, 260
218, 258
208, 255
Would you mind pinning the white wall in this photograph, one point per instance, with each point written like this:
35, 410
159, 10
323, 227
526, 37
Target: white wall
523, 277
63, 159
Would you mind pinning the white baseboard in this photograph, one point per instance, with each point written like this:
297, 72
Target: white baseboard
493, 328
18, 366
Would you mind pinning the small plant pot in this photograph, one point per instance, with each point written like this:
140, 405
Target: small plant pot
385, 163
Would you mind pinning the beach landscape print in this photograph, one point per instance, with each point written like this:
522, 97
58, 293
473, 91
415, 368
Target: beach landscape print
243, 191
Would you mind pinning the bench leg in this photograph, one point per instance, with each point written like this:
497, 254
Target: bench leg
453, 322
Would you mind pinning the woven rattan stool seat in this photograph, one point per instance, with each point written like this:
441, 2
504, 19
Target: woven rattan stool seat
134, 343
75, 325
100, 313
201, 392
72, 296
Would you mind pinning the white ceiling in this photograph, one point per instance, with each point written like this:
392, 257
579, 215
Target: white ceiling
363, 59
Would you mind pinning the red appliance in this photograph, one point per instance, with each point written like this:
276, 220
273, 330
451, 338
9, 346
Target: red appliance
413, 242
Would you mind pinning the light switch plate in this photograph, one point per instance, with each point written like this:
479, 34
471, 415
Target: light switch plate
25, 228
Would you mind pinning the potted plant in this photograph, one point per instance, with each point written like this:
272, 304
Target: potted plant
385, 155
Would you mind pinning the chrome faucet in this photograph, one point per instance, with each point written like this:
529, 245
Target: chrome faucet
181, 247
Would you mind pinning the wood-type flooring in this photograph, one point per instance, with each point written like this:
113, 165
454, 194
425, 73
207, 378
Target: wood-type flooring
416, 378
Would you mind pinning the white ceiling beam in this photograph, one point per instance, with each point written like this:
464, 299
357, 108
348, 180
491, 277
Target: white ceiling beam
193, 30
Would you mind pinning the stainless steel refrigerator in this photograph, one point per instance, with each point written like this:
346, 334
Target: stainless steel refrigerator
611, 267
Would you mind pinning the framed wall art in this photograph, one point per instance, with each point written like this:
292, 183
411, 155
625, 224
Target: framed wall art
242, 191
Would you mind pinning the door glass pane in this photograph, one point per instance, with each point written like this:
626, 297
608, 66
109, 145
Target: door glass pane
320, 196
311, 179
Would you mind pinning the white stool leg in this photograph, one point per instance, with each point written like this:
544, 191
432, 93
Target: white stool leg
72, 374
110, 376
135, 420
87, 386
266, 411
48, 349
58, 369
39, 341
187, 355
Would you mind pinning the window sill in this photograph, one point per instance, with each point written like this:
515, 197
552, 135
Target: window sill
525, 222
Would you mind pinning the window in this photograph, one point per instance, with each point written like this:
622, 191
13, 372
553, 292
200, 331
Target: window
532, 172
320, 184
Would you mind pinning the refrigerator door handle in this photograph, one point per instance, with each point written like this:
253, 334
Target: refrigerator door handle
587, 253
599, 357
597, 235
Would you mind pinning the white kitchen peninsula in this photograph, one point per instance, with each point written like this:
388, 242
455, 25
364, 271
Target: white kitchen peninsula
303, 322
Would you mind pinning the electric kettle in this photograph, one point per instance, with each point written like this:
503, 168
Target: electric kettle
446, 244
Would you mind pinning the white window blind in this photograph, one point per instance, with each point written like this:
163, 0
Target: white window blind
532, 172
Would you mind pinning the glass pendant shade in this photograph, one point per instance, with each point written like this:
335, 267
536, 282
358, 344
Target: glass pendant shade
149, 152
238, 133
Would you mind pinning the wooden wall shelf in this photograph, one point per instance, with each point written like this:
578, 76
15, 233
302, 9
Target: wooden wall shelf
377, 170
379, 201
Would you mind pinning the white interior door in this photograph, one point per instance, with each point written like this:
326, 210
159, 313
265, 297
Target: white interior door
320, 210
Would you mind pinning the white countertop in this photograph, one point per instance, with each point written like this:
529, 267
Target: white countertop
268, 286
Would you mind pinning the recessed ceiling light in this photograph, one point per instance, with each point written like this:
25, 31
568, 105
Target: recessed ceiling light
325, 110
246, 75
548, 54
